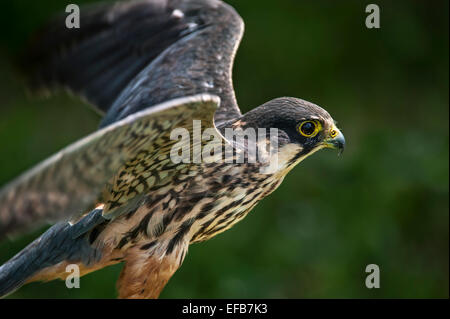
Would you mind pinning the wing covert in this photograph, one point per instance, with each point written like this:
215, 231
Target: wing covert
71, 181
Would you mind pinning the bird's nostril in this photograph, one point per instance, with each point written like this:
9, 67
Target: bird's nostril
333, 133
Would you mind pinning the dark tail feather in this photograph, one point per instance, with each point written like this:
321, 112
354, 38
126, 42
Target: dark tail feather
59, 243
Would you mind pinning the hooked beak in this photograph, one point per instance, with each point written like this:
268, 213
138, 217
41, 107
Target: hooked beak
336, 140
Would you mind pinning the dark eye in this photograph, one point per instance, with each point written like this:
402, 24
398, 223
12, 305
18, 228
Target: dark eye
308, 128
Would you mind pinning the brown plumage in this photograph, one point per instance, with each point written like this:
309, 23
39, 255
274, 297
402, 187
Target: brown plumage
141, 207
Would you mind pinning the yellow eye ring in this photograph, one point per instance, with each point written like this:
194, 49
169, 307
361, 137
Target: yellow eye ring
309, 128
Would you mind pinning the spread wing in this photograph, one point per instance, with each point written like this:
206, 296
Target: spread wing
131, 55
71, 181
128, 59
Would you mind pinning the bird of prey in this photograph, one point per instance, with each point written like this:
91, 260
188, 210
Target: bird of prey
149, 67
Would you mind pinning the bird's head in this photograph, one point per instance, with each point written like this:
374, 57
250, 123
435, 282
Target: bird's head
303, 128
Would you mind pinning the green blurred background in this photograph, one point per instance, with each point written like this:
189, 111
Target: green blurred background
385, 201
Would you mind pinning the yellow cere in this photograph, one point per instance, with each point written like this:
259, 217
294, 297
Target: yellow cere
333, 133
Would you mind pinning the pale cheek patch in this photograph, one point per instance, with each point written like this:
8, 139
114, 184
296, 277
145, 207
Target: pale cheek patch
287, 153
280, 162
285, 156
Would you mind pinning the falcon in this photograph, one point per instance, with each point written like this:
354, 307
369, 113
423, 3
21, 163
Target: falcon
117, 196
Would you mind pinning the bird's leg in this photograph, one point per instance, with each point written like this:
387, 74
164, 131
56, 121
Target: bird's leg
146, 273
